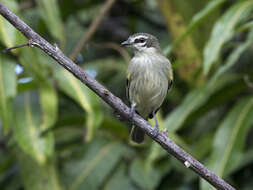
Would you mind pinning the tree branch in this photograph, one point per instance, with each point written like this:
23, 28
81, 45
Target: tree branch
162, 138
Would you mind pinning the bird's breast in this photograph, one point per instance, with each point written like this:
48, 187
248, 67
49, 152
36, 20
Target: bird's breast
148, 84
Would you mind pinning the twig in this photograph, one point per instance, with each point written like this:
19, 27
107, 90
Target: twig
114, 101
93, 27
29, 43
116, 47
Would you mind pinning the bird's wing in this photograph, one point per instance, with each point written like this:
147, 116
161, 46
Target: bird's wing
170, 82
127, 86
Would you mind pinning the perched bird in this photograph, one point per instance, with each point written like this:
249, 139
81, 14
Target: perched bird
149, 77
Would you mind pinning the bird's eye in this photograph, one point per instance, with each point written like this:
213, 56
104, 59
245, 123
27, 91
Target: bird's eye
139, 40
142, 40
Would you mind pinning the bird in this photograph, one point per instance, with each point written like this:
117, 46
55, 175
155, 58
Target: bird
149, 78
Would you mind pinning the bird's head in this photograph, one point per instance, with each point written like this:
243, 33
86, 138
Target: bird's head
142, 42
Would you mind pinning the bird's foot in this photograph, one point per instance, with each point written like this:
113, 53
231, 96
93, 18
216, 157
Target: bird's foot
155, 131
132, 111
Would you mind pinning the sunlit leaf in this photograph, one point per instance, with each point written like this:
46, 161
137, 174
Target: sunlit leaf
84, 96
7, 91
51, 16
224, 30
36, 176
229, 140
8, 34
49, 105
28, 128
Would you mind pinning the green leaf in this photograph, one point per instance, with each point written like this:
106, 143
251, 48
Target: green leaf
84, 96
28, 128
234, 56
51, 15
197, 19
99, 160
120, 180
245, 27
192, 101
7, 91
229, 140
49, 105
144, 177
36, 176
35, 63
198, 97
224, 31
8, 34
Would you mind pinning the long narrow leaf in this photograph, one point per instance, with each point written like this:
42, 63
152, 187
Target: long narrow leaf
81, 94
8, 34
28, 128
99, 160
35, 176
198, 97
224, 31
230, 139
51, 15
196, 21
7, 91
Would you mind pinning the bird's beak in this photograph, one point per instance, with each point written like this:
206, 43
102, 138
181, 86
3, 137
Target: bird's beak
125, 43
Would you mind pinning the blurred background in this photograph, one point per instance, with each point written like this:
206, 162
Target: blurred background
56, 134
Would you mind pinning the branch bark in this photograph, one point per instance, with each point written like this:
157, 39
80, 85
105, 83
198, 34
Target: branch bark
116, 103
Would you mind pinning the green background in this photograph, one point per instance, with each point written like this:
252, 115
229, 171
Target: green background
56, 134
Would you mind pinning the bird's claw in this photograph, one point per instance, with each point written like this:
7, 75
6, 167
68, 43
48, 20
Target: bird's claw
155, 131
132, 111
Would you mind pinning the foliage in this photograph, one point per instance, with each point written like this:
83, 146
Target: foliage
57, 134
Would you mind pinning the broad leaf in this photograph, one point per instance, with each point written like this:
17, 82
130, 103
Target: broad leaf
84, 96
144, 177
229, 140
29, 126
224, 31
51, 16
8, 34
49, 105
120, 180
7, 91
36, 176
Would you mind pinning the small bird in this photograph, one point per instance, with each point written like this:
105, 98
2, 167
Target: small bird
149, 77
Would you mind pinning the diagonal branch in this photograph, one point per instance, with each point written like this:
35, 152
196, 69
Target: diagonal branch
162, 138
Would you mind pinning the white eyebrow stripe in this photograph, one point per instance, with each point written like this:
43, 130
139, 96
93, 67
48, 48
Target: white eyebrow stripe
138, 37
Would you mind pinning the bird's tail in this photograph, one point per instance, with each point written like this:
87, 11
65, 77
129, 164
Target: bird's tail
137, 135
